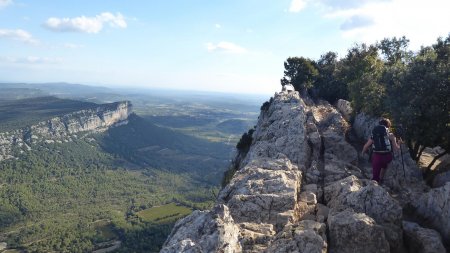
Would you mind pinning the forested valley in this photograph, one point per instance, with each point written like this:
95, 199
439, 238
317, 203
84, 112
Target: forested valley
123, 187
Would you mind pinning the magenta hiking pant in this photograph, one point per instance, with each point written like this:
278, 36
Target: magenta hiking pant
380, 161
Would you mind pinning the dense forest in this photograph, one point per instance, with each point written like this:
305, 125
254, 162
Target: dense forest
127, 185
71, 197
386, 79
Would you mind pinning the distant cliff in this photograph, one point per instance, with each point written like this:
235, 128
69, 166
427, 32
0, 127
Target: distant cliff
303, 187
63, 128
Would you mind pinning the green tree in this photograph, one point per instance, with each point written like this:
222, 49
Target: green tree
329, 85
395, 50
361, 70
300, 72
426, 89
397, 58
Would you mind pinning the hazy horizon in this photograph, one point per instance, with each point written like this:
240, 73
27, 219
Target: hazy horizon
151, 89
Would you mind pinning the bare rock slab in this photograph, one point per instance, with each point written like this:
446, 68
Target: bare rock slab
352, 232
210, 231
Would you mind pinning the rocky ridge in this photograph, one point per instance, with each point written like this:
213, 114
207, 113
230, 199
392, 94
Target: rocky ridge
64, 128
302, 187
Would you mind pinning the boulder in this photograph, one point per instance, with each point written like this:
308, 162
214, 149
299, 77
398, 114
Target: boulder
305, 236
345, 108
204, 231
264, 191
365, 196
322, 212
422, 240
327, 117
363, 125
3, 245
307, 205
433, 210
337, 148
336, 169
255, 237
352, 232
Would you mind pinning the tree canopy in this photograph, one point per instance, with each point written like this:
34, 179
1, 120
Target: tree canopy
300, 72
386, 79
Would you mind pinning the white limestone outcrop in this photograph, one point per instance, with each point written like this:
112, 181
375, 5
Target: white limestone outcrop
63, 128
301, 178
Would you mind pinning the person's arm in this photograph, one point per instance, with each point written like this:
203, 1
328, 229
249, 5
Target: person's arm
394, 142
366, 146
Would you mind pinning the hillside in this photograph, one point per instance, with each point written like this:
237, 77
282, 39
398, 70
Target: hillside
147, 145
302, 187
77, 180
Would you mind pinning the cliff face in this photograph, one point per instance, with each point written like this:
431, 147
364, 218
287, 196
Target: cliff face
63, 128
303, 188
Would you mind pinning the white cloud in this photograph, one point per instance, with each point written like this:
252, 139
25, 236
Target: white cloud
297, 5
420, 21
86, 24
18, 34
224, 46
31, 60
4, 3
348, 4
218, 26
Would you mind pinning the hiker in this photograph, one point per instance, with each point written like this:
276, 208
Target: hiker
382, 142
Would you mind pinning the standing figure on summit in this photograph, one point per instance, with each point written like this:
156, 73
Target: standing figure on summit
382, 141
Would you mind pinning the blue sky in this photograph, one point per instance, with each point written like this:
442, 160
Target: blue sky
228, 45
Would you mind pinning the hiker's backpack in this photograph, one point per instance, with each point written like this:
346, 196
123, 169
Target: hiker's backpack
380, 138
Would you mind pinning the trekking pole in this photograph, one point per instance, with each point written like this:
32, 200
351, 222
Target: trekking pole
399, 133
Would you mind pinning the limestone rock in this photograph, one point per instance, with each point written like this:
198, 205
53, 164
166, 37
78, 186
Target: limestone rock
306, 236
255, 237
322, 212
363, 125
64, 128
335, 170
3, 245
300, 178
211, 231
314, 188
344, 108
264, 191
280, 131
352, 232
307, 205
364, 196
336, 147
327, 117
422, 240
433, 209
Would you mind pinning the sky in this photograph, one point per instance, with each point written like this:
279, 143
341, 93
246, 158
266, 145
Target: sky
234, 46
